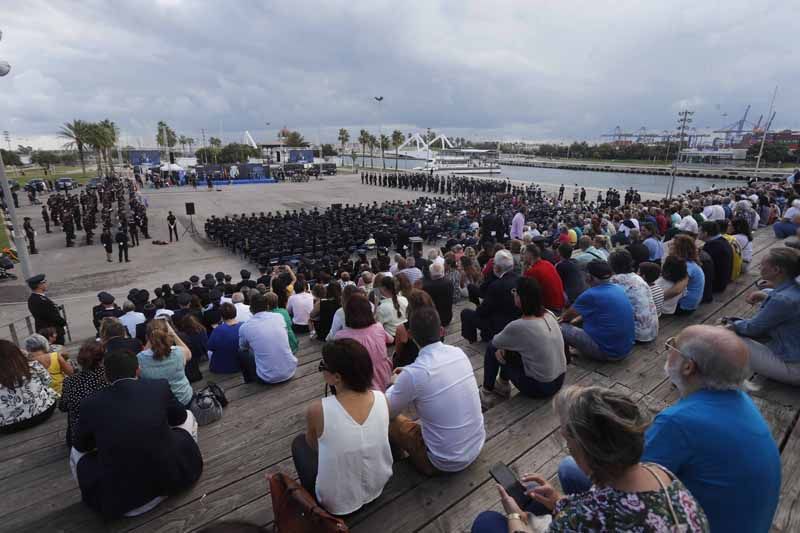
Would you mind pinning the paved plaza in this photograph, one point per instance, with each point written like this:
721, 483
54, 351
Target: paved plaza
77, 274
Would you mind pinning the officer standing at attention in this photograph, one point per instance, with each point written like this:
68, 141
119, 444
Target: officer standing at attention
30, 234
122, 243
46, 218
45, 313
172, 227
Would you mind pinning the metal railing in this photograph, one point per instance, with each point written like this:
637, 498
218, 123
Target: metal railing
22, 327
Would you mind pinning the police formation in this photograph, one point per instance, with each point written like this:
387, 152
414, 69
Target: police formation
113, 202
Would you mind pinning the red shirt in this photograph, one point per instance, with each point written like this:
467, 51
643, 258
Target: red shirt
552, 288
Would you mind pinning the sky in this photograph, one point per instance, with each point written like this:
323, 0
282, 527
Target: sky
508, 70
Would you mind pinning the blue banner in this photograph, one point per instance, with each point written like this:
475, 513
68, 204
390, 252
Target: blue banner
145, 157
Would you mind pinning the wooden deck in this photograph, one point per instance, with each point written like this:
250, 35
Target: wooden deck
254, 437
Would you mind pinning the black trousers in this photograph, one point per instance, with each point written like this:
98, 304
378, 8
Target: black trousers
471, 323
306, 463
173, 229
123, 250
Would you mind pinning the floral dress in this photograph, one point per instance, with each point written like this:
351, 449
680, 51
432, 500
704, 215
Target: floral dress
645, 313
607, 509
31, 398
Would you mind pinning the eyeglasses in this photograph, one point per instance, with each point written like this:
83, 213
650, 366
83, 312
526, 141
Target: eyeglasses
323, 367
669, 344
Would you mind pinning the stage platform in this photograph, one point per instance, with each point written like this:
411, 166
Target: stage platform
243, 181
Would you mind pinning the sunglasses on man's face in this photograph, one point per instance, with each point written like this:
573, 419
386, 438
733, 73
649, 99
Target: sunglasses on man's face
323, 367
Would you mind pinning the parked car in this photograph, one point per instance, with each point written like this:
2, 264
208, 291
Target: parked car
36, 185
329, 169
65, 184
93, 183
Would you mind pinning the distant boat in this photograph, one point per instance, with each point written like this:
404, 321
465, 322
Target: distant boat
462, 161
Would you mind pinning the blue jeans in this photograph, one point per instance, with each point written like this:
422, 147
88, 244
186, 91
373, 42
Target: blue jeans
585, 344
494, 522
573, 481
514, 372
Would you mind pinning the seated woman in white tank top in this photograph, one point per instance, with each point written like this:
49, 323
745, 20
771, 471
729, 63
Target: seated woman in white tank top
344, 458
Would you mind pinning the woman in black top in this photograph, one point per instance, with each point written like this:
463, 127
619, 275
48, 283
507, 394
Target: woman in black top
83, 384
193, 333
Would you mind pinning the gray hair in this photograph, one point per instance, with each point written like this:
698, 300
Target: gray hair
432, 254
437, 270
607, 425
36, 343
237, 298
504, 261
714, 370
367, 276
128, 306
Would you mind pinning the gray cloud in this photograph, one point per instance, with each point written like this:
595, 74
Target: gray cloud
538, 70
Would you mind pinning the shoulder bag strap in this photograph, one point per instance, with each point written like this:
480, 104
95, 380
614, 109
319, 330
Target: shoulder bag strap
666, 495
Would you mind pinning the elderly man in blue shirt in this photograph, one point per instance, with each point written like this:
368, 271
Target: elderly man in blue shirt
773, 334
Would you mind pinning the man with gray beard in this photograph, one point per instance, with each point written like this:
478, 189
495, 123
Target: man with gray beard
714, 439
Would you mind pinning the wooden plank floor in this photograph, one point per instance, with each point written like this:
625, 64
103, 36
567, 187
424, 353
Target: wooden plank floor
37, 492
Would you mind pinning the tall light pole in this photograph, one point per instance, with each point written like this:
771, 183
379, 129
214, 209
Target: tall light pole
771, 116
379, 99
684, 118
19, 241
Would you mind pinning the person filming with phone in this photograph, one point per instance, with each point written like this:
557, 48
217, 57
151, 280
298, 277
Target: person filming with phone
605, 433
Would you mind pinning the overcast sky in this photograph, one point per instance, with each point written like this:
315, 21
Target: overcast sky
538, 70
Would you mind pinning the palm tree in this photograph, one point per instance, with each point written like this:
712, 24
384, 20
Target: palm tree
190, 142
373, 142
75, 133
344, 136
384, 144
183, 141
110, 133
397, 139
363, 140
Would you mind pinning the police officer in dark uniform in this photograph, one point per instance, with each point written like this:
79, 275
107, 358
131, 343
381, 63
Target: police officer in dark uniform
106, 308
45, 313
172, 227
107, 241
46, 218
122, 243
30, 234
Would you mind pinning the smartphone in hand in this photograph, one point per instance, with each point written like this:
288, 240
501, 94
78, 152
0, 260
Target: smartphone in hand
514, 487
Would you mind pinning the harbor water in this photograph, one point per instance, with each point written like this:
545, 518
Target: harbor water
590, 179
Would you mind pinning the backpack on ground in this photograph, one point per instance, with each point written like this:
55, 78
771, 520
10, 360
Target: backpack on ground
736, 272
296, 511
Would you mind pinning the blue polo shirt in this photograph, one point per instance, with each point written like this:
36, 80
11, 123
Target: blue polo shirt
720, 447
607, 318
224, 347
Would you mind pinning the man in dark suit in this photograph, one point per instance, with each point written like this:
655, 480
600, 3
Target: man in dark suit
497, 308
106, 308
135, 443
122, 243
441, 292
721, 253
45, 313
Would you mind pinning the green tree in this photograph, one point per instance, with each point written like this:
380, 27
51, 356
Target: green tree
385, 142
207, 154
24, 150
10, 158
75, 133
363, 140
373, 142
190, 142
293, 138
328, 150
344, 136
236, 153
397, 139
45, 157
773, 152
214, 141
172, 137
183, 141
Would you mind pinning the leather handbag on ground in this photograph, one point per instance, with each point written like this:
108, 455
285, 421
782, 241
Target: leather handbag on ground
219, 393
205, 407
296, 511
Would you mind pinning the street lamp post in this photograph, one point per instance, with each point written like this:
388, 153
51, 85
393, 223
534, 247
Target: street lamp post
379, 99
19, 241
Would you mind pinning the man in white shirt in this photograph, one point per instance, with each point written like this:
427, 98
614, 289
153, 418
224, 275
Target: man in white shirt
299, 306
441, 386
131, 318
243, 313
714, 210
265, 354
688, 223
